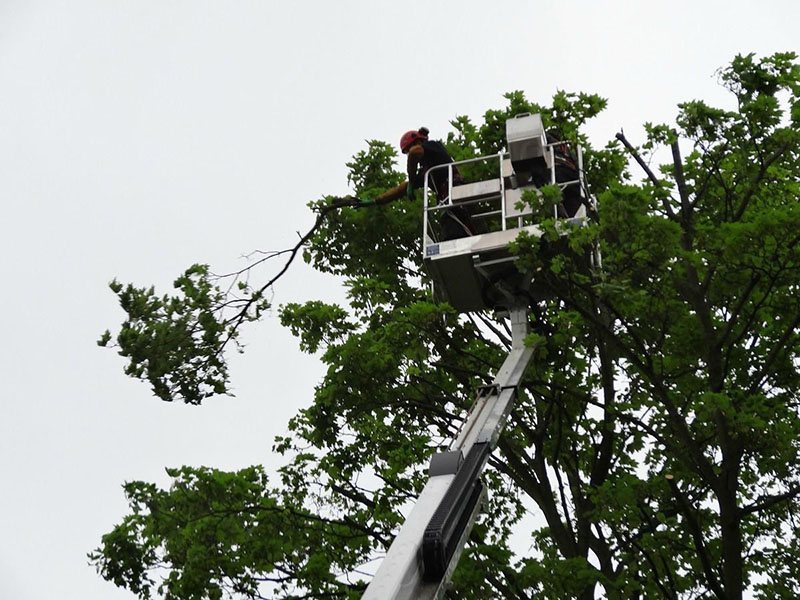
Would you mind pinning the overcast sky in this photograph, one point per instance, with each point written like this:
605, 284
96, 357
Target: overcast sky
139, 137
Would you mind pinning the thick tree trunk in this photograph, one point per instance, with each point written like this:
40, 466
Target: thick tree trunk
729, 513
732, 562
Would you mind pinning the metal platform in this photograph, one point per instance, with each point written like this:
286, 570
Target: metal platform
478, 272
464, 270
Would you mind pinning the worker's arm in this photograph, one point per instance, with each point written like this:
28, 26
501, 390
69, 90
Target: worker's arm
415, 154
393, 194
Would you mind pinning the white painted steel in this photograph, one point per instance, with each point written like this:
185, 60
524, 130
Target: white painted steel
479, 189
514, 195
525, 137
489, 412
400, 577
502, 193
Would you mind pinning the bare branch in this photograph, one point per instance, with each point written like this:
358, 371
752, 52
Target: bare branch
680, 180
241, 316
656, 182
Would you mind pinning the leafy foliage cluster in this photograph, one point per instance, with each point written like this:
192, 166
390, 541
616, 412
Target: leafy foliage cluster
176, 342
655, 438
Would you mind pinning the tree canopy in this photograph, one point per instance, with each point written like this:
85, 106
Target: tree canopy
653, 449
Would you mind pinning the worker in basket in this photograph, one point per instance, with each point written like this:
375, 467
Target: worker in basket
423, 154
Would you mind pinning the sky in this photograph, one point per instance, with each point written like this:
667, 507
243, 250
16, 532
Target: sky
140, 137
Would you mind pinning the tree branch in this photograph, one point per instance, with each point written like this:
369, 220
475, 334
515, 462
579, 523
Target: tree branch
241, 316
767, 501
777, 348
656, 182
761, 172
681, 181
697, 537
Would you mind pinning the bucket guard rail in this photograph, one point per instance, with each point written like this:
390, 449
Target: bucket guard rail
477, 272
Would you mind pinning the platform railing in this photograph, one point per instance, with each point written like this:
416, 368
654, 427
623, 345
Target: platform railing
498, 196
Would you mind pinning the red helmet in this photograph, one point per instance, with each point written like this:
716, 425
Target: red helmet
411, 137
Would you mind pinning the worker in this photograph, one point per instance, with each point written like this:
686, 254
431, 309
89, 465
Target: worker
423, 154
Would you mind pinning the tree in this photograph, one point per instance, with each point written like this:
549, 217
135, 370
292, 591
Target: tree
655, 435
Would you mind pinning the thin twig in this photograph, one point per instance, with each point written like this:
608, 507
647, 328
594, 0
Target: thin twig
240, 317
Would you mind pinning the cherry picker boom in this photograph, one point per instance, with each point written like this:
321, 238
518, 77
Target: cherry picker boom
474, 273
425, 552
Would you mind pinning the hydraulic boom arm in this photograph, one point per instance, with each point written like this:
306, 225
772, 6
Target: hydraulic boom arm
425, 552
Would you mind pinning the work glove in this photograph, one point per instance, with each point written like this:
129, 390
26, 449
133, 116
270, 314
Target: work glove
409, 191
